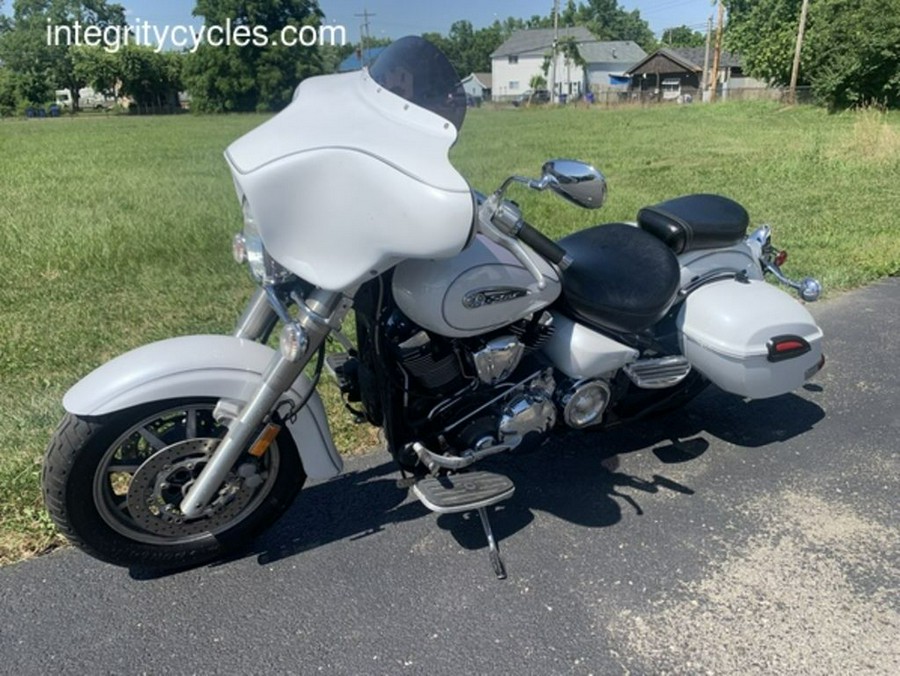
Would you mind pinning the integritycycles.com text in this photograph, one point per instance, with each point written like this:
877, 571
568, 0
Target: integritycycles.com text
181, 37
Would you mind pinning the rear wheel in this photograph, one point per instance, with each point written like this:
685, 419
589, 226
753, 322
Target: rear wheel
113, 485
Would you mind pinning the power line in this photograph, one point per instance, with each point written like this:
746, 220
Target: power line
365, 36
666, 6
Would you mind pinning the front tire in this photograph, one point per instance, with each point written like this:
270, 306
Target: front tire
112, 485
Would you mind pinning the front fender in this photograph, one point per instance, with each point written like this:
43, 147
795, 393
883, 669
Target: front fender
203, 366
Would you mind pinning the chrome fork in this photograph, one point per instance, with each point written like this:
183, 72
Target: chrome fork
321, 312
259, 318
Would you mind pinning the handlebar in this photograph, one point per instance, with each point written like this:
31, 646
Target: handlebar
542, 244
501, 222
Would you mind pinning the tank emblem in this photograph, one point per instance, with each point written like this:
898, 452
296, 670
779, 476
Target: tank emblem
492, 295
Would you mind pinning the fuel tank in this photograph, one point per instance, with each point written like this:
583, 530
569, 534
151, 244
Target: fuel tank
483, 288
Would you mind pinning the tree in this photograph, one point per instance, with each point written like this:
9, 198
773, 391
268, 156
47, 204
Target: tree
764, 33
150, 79
30, 64
251, 77
608, 21
568, 47
682, 36
40, 68
100, 69
467, 49
8, 95
851, 53
333, 55
569, 15
7, 84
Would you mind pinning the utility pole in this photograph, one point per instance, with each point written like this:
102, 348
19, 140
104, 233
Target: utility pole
704, 83
795, 71
553, 98
717, 54
364, 36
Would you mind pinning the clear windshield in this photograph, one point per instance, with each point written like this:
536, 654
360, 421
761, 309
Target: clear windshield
418, 71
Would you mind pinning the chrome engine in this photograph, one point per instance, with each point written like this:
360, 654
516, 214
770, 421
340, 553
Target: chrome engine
476, 396
499, 358
532, 410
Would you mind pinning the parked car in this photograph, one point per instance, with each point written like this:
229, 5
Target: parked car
532, 96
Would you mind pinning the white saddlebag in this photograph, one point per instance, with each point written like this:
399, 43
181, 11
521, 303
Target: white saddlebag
749, 338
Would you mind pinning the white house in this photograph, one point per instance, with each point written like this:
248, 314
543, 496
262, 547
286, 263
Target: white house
478, 86
522, 56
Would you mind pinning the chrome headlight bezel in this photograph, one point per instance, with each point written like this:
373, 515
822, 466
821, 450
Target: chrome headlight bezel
248, 248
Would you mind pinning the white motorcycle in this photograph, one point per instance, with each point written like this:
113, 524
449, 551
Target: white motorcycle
474, 332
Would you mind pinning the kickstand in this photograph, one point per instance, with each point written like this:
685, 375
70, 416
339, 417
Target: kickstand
494, 550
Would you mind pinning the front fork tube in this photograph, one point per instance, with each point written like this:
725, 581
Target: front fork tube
321, 312
258, 320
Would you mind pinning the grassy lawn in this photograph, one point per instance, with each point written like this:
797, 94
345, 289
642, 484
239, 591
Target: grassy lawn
115, 232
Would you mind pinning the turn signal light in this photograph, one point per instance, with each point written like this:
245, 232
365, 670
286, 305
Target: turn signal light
265, 439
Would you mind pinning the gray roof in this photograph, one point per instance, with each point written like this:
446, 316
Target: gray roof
688, 58
621, 51
695, 55
538, 40
484, 78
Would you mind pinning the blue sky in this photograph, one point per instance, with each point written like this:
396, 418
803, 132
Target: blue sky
395, 18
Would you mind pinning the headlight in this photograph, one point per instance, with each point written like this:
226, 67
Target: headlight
248, 247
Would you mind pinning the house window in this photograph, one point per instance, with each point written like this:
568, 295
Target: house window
671, 88
513, 58
513, 85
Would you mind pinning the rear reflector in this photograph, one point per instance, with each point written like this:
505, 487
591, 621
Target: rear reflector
786, 347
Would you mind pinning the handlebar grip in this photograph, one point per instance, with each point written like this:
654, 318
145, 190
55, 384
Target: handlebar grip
543, 245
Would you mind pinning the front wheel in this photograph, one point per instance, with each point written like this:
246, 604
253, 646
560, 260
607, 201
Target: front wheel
113, 485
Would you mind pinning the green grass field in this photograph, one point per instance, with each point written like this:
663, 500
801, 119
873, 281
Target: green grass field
116, 231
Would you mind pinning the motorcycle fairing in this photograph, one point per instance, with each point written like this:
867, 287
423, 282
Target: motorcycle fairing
349, 180
204, 366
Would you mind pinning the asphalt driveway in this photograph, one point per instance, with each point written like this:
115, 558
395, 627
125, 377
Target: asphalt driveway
730, 538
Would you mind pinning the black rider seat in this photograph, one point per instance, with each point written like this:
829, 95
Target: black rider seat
622, 278
695, 222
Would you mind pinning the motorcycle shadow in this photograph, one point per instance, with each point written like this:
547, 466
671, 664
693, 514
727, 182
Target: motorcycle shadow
573, 476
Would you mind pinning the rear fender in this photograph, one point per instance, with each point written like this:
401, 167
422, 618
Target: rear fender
203, 366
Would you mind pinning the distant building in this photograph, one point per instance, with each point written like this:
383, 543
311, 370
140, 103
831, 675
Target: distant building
359, 59
478, 86
673, 73
607, 63
522, 57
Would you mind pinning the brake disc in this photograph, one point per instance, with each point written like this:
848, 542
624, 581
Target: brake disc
160, 484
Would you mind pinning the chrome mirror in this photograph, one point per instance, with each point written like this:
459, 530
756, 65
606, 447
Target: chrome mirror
575, 181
